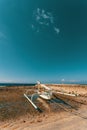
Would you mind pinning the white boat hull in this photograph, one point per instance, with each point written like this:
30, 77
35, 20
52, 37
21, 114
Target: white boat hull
46, 97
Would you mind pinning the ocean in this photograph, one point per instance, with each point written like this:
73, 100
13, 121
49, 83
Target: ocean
33, 84
16, 84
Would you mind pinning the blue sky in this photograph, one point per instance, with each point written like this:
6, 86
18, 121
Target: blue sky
43, 40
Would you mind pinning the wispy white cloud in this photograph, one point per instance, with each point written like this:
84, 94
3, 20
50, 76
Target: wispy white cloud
37, 17
62, 80
73, 80
38, 10
37, 31
44, 18
32, 26
57, 30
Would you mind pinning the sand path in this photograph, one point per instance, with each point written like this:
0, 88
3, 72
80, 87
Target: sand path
63, 121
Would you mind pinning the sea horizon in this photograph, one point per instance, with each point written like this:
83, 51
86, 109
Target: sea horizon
2, 84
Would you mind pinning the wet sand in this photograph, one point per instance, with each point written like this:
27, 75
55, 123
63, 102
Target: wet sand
17, 114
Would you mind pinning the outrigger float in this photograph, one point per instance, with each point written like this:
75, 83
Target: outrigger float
43, 92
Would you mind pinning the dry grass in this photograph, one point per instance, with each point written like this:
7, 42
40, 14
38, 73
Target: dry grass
79, 89
14, 105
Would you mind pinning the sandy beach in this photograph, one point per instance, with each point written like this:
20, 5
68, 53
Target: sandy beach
17, 114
